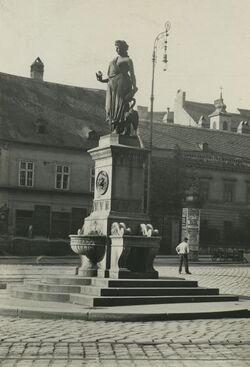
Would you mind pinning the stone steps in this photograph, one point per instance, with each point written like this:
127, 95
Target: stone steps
96, 292
137, 300
51, 292
73, 280
125, 292
139, 283
24, 293
52, 288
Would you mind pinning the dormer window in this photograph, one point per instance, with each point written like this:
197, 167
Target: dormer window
214, 125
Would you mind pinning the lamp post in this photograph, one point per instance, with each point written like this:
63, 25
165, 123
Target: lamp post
161, 37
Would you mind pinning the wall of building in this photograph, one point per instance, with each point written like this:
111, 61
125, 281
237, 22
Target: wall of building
217, 179
221, 220
55, 208
45, 160
180, 115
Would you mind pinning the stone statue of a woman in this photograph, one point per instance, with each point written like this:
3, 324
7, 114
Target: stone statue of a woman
120, 90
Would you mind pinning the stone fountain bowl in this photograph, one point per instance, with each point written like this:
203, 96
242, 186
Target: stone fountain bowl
92, 246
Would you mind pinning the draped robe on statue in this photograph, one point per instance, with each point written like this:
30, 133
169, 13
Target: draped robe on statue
119, 87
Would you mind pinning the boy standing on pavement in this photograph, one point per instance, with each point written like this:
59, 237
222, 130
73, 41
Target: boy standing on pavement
183, 250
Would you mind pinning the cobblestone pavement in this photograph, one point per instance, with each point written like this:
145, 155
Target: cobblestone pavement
73, 343
230, 279
34, 342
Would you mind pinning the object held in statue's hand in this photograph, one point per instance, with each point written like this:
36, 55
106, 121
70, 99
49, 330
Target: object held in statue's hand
99, 76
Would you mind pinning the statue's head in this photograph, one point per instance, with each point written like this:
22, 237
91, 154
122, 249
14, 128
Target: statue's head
121, 47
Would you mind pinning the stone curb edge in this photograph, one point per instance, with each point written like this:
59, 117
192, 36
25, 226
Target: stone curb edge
102, 316
176, 342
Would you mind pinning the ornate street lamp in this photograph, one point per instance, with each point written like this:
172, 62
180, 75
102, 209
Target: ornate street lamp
161, 38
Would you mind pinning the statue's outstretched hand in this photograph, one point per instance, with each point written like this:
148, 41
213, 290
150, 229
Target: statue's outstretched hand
99, 77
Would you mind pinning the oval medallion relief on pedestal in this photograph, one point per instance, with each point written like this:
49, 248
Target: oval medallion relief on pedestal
102, 182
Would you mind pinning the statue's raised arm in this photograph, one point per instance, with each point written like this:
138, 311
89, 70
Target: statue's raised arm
121, 89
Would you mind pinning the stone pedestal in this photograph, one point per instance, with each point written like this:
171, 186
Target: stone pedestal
120, 166
120, 163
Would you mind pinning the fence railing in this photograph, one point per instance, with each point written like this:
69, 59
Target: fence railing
226, 254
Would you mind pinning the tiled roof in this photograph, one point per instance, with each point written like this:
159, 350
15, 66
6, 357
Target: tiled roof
70, 112
167, 136
196, 110
245, 114
158, 116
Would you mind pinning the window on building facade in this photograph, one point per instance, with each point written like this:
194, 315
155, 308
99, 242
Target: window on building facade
62, 177
204, 190
214, 125
92, 180
229, 192
26, 173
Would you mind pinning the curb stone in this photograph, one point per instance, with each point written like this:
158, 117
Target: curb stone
102, 316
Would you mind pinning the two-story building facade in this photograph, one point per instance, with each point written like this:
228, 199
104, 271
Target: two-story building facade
216, 153
46, 173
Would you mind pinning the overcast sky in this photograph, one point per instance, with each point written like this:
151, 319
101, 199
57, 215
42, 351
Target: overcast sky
209, 44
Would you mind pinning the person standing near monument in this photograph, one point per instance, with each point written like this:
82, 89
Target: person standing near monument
183, 250
121, 87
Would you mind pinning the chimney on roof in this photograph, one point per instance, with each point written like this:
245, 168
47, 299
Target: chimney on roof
203, 147
180, 98
36, 69
168, 117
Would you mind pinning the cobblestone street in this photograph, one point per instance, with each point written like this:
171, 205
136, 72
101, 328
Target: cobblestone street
230, 279
29, 342
222, 342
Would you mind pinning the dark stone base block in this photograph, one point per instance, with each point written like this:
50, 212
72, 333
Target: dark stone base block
126, 274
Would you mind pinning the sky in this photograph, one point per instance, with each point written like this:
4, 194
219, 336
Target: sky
208, 45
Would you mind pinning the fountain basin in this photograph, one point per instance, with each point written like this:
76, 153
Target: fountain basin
92, 246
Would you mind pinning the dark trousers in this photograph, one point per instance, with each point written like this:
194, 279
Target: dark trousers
184, 257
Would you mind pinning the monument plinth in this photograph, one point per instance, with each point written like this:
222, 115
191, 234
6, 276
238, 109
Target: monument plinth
119, 212
119, 184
